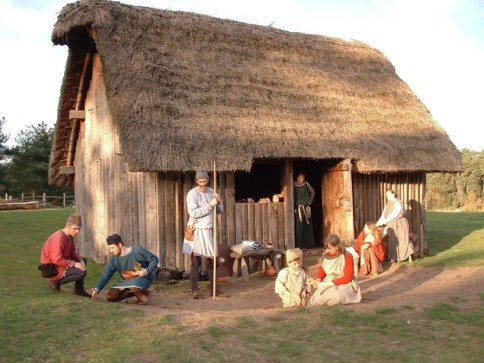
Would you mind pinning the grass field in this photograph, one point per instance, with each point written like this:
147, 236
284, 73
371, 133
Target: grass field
38, 326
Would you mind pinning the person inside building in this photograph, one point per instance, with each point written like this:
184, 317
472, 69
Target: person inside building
303, 198
135, 264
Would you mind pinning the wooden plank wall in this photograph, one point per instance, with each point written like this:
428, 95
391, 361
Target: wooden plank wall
261, 222
369, 199
109, 197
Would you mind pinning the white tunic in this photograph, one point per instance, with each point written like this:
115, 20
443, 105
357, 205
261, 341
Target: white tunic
200, 211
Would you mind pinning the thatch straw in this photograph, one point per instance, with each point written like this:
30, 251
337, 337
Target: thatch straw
188, 89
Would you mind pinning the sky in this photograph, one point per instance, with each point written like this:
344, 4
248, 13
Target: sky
436, 47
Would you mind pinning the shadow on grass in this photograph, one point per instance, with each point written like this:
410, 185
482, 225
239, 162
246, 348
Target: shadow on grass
394, 280
401, 285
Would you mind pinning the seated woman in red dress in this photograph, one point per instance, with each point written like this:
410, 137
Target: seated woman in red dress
370, 245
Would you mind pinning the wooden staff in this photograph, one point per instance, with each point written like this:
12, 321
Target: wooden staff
214, 236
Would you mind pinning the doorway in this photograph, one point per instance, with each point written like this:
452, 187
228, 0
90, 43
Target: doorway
263, 181
314, 170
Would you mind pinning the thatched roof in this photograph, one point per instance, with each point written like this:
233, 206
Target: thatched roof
188, 89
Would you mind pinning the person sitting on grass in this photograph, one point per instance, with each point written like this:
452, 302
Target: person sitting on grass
136, 266
370, 246
334, 282
291, 282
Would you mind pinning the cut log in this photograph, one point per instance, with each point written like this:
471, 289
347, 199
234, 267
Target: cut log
19, 205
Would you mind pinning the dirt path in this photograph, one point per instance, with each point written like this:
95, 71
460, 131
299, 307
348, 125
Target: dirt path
398, 285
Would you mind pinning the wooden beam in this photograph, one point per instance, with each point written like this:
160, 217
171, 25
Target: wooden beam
80, 99
77, 114
66, 170
342, 166
288, 193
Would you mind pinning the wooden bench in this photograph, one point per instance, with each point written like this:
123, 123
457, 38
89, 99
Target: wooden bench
269, 255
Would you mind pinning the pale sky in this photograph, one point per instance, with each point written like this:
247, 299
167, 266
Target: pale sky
436, 47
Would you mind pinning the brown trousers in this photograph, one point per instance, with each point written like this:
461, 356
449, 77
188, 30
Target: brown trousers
115, 295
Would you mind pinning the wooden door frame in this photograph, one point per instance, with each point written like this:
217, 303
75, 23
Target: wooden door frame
337, 200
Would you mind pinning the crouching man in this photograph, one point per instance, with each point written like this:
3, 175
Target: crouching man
59, 252
136, 266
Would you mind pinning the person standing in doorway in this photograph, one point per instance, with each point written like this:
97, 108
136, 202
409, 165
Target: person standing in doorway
303, 197
201, 201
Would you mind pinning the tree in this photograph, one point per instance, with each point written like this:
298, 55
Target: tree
3, 140
28, 168
464, 190
471, 181
441, 191
3, 158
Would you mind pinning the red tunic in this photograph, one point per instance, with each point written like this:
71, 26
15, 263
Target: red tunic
379, 248
60, 250
347, 272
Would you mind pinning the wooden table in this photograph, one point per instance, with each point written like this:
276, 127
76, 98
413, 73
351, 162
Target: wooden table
269, 255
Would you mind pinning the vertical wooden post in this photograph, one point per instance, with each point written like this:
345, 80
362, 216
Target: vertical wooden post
288, 193
230, 208
214, 279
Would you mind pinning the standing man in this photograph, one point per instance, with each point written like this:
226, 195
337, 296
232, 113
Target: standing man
201, 201
135, 264
60, 250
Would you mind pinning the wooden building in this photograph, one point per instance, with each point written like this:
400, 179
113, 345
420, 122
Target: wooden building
150, 96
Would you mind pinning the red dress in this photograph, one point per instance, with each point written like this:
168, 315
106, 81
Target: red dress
379, 248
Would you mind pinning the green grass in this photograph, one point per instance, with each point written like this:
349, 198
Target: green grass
455, 239
38, 326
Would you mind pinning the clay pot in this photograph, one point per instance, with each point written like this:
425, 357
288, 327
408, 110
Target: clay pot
271, 271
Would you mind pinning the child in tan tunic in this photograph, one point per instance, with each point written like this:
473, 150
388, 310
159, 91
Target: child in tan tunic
292, 281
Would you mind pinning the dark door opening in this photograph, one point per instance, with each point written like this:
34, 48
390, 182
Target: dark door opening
314, 173
263, 181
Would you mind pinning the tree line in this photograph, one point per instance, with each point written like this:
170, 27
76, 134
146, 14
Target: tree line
462, 191
24, 169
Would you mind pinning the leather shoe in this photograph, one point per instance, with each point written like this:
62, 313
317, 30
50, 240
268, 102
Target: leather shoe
143, 299
82, 293
54, 285
196, 295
